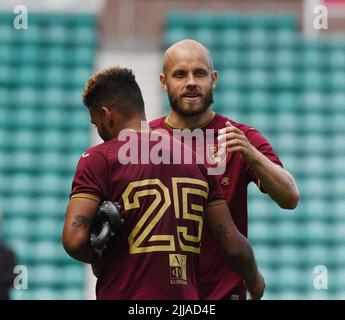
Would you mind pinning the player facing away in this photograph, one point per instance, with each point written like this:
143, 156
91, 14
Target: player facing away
155, 253
189, 78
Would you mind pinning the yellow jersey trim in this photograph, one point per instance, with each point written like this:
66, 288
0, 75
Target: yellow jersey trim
171, 126
216, 202
86, 196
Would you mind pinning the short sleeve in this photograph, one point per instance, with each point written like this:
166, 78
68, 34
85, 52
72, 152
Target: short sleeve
91, 177
215, 193
262, 144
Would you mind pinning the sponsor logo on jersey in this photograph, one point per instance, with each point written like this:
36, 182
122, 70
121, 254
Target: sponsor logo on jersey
178, 268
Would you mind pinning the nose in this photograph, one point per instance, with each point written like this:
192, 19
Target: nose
191, 80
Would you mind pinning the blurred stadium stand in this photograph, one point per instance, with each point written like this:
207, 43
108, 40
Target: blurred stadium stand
44, 128
293, 91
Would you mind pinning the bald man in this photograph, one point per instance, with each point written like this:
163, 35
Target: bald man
189, 79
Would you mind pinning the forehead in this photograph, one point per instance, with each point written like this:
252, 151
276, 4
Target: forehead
192, 58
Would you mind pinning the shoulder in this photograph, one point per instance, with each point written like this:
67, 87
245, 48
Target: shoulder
98, 154
249, 131
157, 123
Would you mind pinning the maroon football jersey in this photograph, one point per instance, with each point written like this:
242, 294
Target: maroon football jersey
217, 280
155, 254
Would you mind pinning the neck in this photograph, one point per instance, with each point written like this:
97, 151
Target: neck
137, 124
181, 122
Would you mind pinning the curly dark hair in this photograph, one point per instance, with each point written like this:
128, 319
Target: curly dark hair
116, 88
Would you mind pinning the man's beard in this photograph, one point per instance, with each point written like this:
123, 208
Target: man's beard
205, 103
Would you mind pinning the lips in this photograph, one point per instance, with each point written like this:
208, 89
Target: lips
191, 96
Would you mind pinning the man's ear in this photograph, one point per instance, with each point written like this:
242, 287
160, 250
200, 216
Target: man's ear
163, 82
106, 114
214, 76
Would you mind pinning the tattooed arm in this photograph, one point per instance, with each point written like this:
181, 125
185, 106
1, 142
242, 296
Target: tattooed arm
79, 216
236, 248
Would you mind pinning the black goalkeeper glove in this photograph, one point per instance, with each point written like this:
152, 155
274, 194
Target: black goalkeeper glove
107, 221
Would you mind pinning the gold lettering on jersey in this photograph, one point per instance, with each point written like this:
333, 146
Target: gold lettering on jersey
178, 268
215, 154
189, 242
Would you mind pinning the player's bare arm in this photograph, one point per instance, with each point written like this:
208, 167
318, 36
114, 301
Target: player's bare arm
235, 247
78, 221
275, 180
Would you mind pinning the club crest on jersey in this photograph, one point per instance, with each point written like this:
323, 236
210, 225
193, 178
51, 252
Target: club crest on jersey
215, 154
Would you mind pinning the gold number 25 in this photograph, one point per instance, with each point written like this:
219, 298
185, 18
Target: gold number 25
162, 201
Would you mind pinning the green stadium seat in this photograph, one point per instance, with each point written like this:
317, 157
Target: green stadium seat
203, 20
206, 37
48, 252
232, 79
56, 35
313, 101
177, 19
86, 20
337, 80
45, 293
318, 144
82, 36
230, 38
79, 56
55, 76
7, 33
53, 140
258, 38
45, 275
230, 59
24, 140
259, 20
42, 74
48, 229
6, 54
314, 80
233, 20
285, 21
257, 59
259, 102
26, 96
77, 77
336, 60
4, 98
21, 248
55, 55
24, 161
285, 79
72, 294
286, 57
21, 227
175, 35
313, 59
289, 255
73, 275
6, 74
336, 101
257, 79
285, 38
47, 205
261, 232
